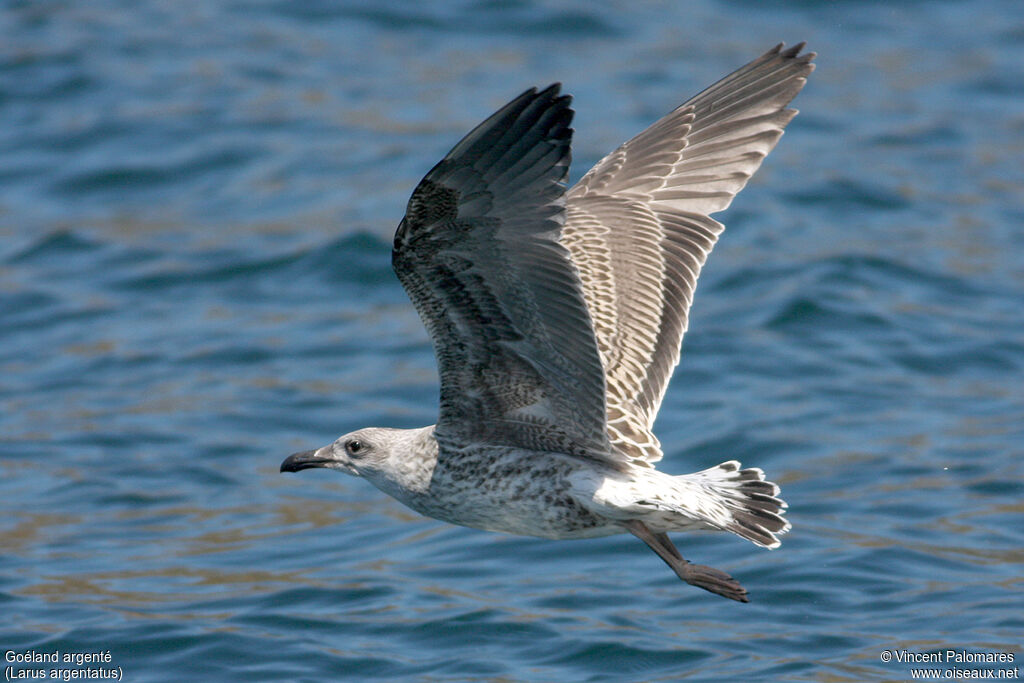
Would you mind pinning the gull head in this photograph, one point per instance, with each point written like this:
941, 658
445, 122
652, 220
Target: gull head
397, 461
355, 453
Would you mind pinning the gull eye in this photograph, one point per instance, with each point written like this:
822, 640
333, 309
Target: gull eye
354, 447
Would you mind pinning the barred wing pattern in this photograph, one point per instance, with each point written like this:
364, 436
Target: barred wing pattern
478, 254
639, 231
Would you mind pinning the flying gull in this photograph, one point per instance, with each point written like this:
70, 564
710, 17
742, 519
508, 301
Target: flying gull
557, 318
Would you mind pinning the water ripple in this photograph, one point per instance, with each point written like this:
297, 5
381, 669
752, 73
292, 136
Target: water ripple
195, 281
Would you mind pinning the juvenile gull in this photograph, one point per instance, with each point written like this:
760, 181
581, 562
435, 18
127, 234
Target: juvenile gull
557, 318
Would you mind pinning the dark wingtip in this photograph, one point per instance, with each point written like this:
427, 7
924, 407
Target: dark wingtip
794, 53
552, 90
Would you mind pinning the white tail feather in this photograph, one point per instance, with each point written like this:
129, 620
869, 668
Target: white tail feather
754, 510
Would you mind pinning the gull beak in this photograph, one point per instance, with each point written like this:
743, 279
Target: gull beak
305, 460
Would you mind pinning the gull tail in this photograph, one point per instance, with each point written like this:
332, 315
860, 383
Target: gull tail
752, 506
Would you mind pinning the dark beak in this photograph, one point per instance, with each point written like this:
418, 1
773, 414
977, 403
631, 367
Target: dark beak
306, 459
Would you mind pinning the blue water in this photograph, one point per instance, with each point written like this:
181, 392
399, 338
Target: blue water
196, 206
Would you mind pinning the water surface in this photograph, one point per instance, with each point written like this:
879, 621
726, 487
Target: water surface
195, 221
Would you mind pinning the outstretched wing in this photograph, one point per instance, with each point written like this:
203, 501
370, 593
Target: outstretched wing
478, 254
639, 232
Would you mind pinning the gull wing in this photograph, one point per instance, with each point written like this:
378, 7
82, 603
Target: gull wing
639, 231
479, 254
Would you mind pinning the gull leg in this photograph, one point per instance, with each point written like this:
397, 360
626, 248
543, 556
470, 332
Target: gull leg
702, 576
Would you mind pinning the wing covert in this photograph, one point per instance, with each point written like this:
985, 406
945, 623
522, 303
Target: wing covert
479, 254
